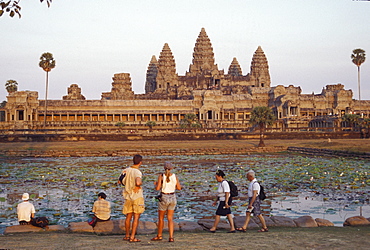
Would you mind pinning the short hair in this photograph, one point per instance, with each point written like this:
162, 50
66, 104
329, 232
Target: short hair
251, 173
137, 159
220, 173
103, 195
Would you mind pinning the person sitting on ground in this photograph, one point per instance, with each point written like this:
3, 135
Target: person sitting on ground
101, 208
254, 203
224, 198
167, 183
25, 210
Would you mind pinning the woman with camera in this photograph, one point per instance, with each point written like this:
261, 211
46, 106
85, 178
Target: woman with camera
167, 183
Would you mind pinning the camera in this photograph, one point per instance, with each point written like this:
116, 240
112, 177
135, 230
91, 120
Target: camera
158, 197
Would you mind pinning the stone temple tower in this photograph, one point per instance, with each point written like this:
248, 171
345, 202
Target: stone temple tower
234, 68
151, 76
259, 75
166, 76
203, 56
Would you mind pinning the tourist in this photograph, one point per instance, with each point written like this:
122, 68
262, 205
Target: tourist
25, 210
101, 208
254, 205
133, 206
167, 183
224, 201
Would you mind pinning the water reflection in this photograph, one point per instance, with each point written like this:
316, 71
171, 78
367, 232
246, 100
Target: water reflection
64, 189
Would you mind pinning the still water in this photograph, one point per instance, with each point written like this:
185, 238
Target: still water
64, 189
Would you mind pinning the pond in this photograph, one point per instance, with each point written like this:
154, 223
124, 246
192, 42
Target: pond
64, 189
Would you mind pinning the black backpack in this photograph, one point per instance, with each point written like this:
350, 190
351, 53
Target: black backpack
262, 194
233, 189
40, 222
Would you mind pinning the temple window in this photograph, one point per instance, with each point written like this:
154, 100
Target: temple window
20, 114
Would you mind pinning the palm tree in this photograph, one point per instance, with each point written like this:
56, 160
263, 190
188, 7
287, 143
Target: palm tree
47, 63
351, 119
262, 116
190, 121
11, 86
358, 57
151, 124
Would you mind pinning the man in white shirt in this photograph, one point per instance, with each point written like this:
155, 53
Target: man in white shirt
25, 210
254, 203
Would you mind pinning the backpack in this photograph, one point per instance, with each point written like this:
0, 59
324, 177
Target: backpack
233, 189
40, 222
262, 194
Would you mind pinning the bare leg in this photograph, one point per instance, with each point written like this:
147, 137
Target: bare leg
135, 224
247, 219
170, 222
128, 224
217, 220
160, 222
231, 222
263, 222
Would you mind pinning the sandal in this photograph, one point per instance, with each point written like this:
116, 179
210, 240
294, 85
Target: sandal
126, 238
263, 230
134, 240
171, 240
241, 229
157, 238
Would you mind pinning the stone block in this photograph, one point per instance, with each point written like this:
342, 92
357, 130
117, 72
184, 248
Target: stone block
146, 227
305, 221
239, 222
110, 227
282, 221
53, 228
324, 223
208, 223
22, 229
80, 227
356, 221
190, 226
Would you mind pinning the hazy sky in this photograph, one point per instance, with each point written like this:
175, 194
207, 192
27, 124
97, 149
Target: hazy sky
307, 43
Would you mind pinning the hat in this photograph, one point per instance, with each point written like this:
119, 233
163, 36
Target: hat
25, 197
168, 165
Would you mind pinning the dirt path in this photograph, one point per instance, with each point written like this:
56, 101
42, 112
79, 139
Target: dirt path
279, 238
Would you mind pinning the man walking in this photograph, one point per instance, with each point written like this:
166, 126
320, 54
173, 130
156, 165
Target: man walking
254, 203
134, 199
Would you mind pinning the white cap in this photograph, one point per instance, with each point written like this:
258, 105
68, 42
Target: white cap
25, 197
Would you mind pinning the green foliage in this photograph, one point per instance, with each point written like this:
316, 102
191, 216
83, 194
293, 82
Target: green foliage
358, 57
11, 86
262, 116
13, 7
352, 119
151, 124
120, 124
190, 121
47, 62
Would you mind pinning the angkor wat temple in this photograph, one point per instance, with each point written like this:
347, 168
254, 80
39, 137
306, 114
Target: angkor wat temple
220, 100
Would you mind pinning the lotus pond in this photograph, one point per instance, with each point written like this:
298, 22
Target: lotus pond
64, 189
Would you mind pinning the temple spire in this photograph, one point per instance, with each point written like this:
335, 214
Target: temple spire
166, 76
260, 69
203, 56
151, 75
234, 68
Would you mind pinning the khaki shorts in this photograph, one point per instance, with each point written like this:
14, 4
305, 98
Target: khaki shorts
134, 206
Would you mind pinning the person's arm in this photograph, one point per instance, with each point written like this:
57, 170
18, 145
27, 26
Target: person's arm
253, 198
227, 196
158, 184
138, 183
178, 185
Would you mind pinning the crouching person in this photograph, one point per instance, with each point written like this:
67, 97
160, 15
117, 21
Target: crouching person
101, 210
25, 210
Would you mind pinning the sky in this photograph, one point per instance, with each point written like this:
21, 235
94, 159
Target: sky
307, 43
